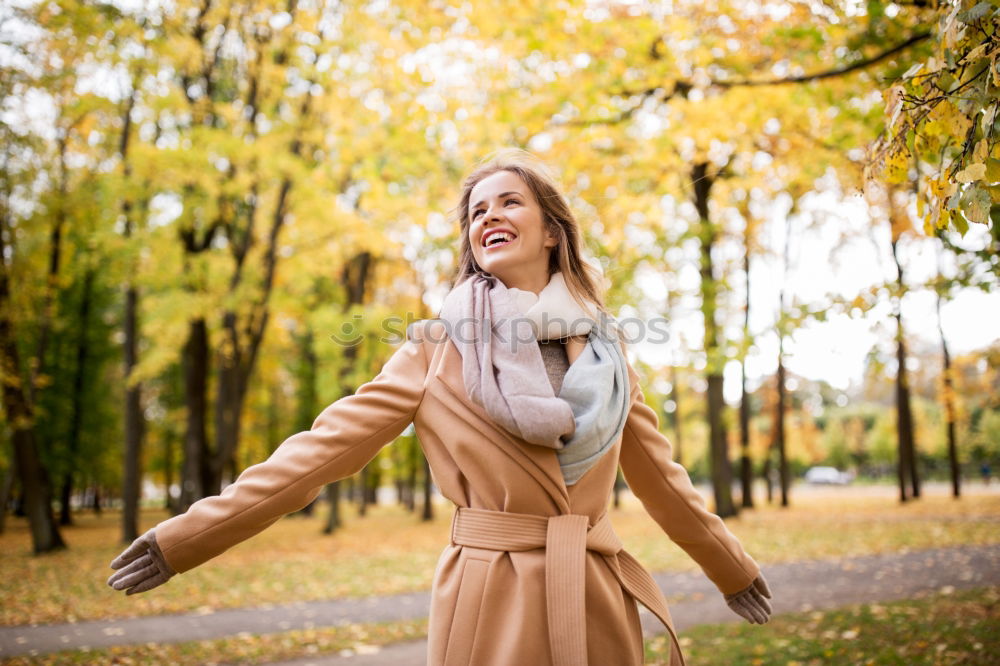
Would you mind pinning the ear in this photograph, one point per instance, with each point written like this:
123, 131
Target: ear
551, 240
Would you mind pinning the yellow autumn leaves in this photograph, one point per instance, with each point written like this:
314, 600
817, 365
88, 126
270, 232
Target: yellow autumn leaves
941, 122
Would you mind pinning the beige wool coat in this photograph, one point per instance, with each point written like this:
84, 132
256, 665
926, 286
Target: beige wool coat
533, 573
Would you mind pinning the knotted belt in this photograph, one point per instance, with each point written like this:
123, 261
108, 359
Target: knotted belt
566, 539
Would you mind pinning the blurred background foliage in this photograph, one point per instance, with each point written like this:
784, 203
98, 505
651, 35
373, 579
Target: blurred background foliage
199, 199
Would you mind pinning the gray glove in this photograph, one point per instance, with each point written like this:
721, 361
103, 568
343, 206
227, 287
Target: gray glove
141, 566
752, 603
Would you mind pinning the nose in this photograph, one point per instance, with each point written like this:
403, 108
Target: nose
493, 212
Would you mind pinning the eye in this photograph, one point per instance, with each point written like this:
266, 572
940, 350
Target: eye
509, 200
476, 212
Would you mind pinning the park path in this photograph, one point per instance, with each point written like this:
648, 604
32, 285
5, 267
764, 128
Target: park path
797, 586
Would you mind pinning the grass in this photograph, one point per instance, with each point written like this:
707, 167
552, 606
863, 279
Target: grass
943, 628
391, 551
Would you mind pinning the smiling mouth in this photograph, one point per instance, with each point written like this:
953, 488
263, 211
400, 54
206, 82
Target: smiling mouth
498, 243
499, 239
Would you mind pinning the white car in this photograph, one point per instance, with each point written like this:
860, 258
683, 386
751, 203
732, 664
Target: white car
828, 475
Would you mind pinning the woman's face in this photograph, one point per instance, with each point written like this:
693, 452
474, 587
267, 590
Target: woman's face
504, 214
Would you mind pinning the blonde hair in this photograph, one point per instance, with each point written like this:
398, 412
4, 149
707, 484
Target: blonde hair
584, 281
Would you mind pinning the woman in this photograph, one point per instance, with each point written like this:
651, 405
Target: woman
534, 573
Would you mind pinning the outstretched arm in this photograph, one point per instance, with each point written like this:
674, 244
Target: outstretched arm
344, 437
668, 495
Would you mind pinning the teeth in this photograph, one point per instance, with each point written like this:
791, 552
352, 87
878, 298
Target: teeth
500, 235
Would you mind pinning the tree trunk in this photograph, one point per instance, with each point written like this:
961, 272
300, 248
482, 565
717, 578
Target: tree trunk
306, 403
5, 492
413, 455
45, 535
956, 472
306, 395
363, 495
746, 465
779, 417
766, 473
65, 500
721, 471
134, 421
722, 477
949, 408
779, 427
333, 521
616, 490
79, 380
374, 483
168, 471
196, 474
354, 279
908, 463
225, 409
428, 514
48, 301
949, 402
904, 421
96, 500
675, 395
20, 417
134, 418
245, 334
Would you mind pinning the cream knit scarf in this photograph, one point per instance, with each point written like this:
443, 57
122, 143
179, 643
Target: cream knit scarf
496, 330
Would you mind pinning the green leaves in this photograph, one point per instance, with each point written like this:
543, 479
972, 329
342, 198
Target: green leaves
948, 102
976, 204
993, 170
975, 13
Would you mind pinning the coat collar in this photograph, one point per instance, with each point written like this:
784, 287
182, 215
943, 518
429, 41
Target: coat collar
540, 462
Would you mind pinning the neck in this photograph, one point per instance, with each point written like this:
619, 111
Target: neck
532, 283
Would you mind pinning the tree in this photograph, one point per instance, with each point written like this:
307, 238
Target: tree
32, 166
134, 419
702, 178
907, 463
942, 112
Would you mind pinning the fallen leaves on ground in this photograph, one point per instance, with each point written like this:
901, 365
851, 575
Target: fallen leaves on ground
391, 551
244, 648
956, 628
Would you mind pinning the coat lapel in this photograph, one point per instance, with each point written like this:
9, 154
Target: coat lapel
539, 461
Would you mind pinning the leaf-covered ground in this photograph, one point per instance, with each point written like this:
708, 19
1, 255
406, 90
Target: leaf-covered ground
950, 627
832, 522
391, 551
245, 648
960, 627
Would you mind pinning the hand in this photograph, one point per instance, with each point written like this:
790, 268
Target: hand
752, 603
141, 566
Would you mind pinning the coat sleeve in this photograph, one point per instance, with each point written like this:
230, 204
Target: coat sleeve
344, 437
668, 495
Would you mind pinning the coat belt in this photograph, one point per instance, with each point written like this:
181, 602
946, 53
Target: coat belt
566, 539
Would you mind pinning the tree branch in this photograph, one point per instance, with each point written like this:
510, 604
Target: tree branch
831, 73
682, 87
